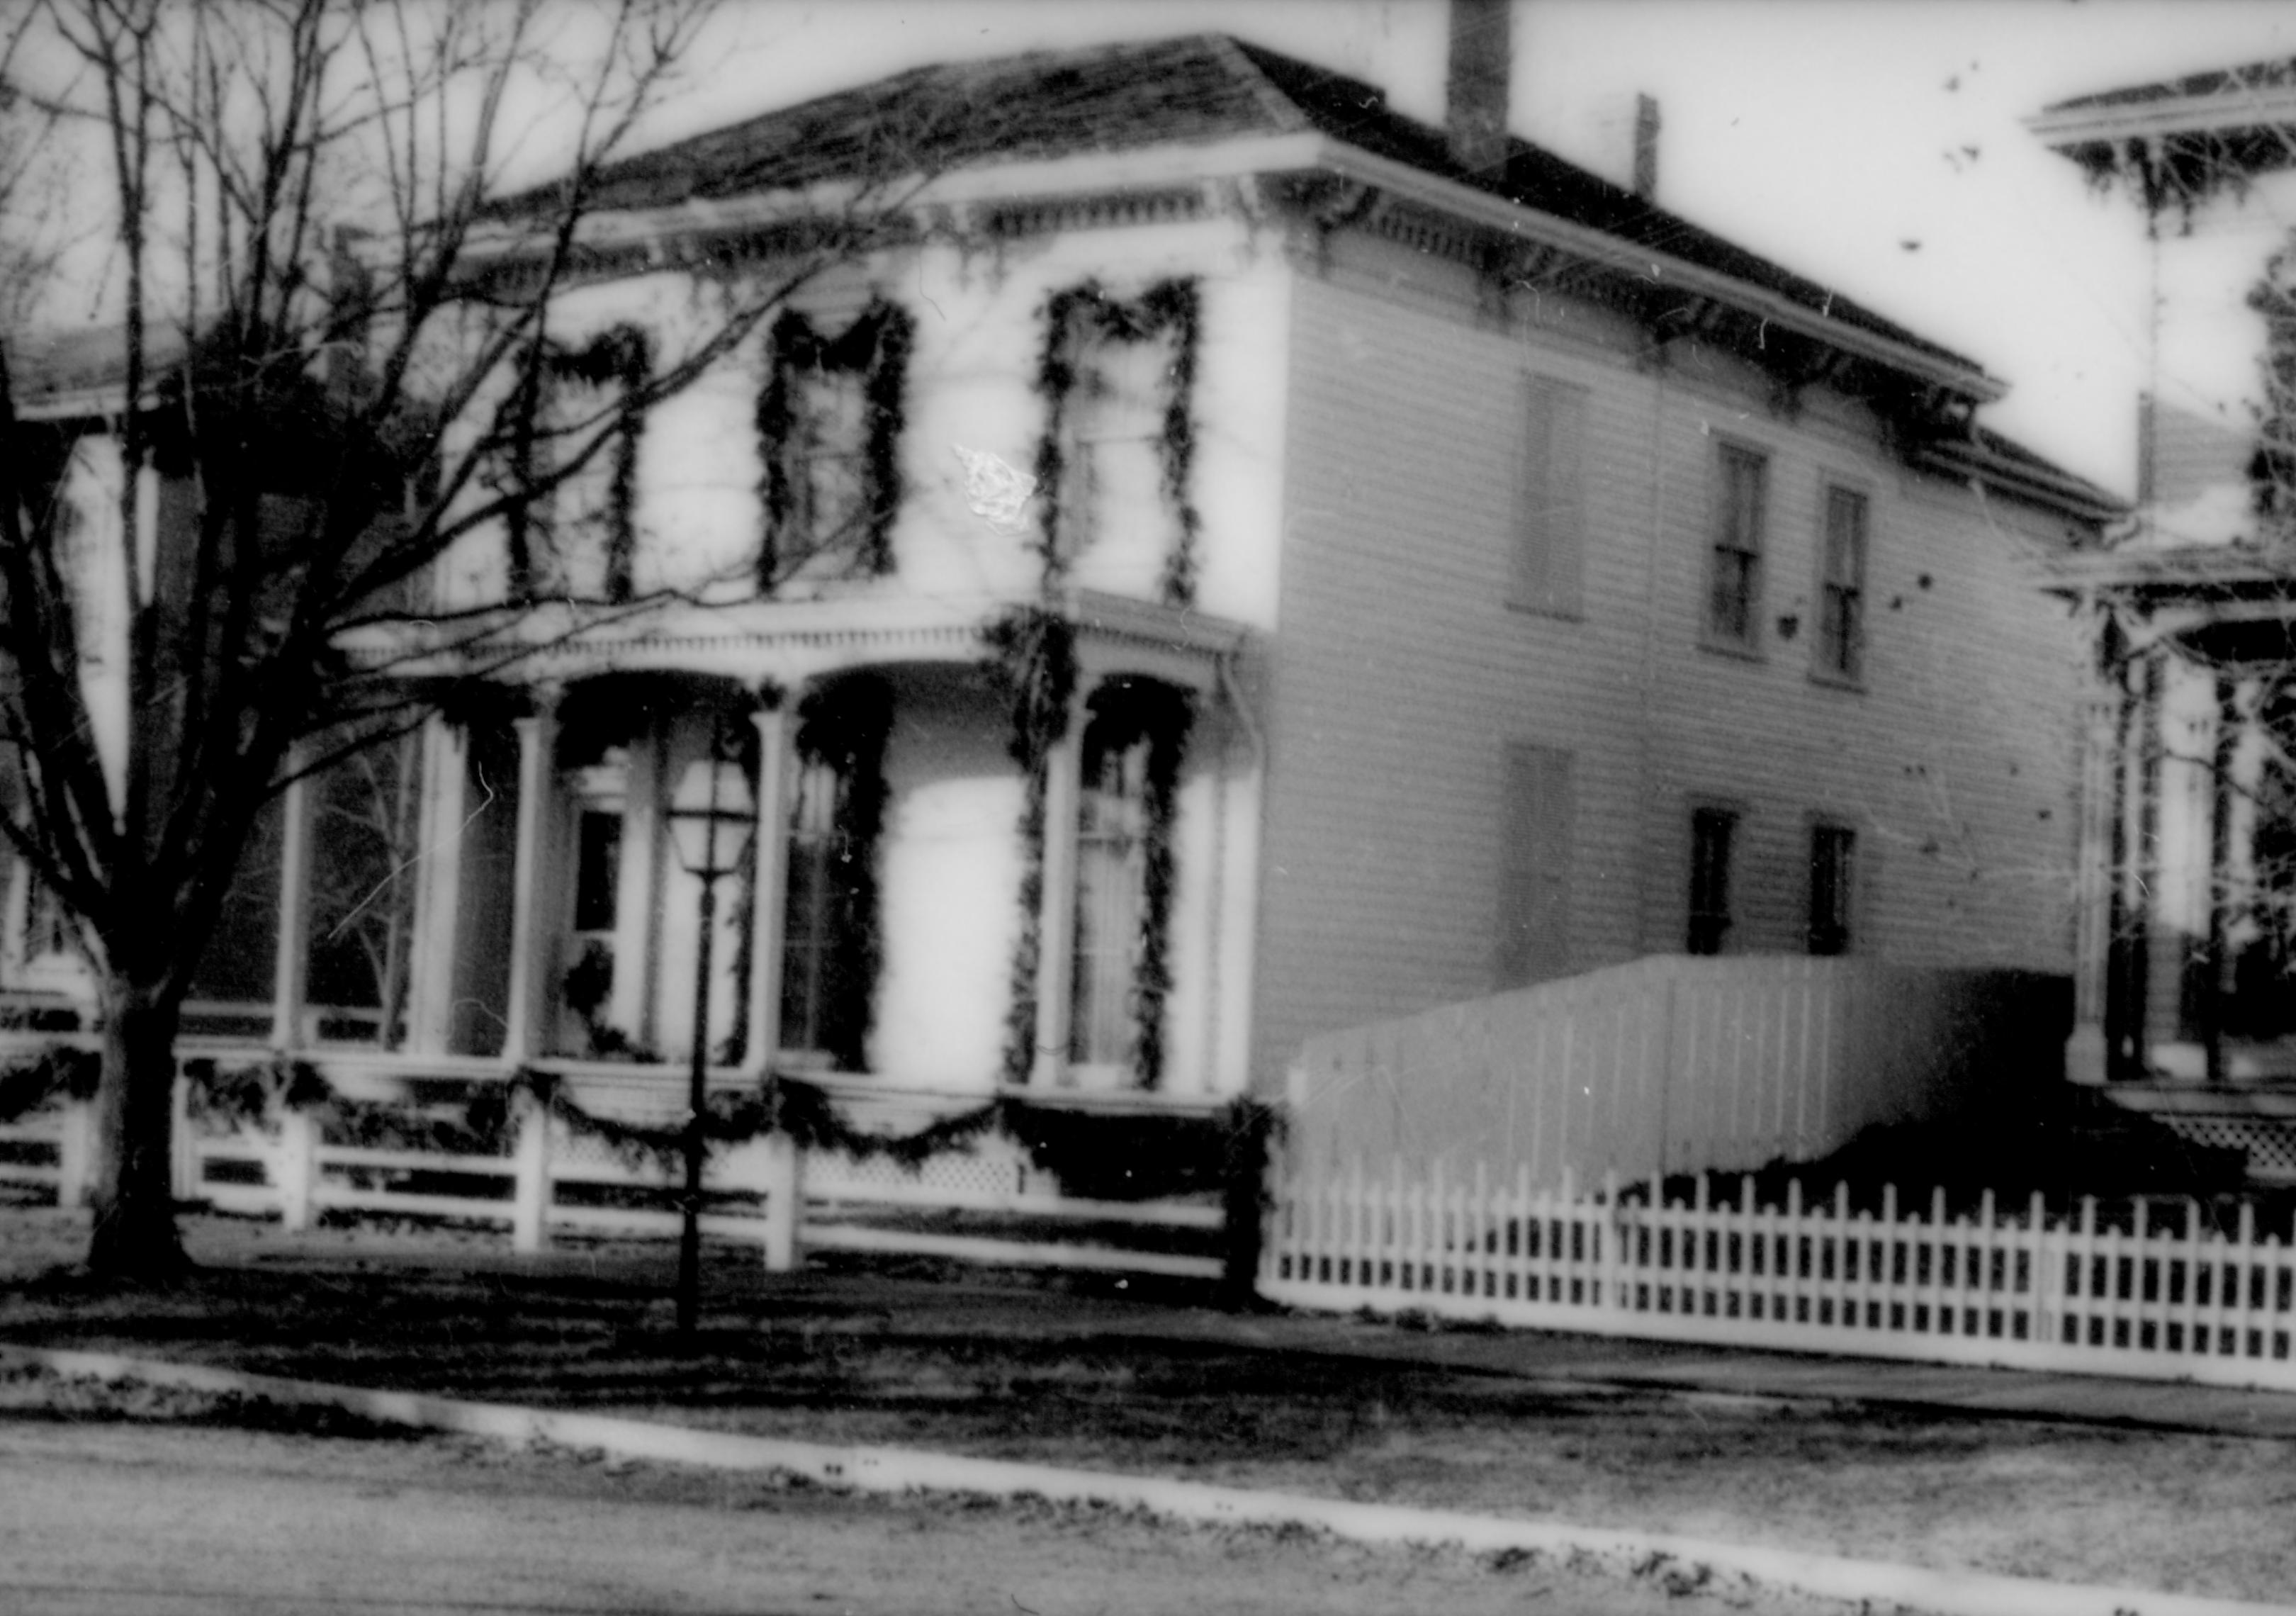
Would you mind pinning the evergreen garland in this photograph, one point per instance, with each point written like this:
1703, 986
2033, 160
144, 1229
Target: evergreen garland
621, 355
846, 726
1032, 660
1126, 712
1093, 1155
875, 347
61, 1072
1073, 315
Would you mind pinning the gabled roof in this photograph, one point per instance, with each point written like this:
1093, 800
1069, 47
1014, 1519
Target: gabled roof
1198, 90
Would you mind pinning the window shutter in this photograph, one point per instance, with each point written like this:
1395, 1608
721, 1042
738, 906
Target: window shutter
1551, 521
1534, 941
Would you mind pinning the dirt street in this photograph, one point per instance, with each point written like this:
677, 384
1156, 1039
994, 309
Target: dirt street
119, 1519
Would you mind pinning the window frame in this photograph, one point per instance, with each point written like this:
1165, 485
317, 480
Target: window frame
1722, 918
1722, 529
1839, 932
1848, 671
1548, 578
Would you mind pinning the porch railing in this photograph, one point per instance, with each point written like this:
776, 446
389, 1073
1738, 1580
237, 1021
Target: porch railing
988, 1204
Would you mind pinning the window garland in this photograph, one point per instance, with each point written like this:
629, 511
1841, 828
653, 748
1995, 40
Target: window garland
1174, 307
1126, 711
1032, 660
876, 347
621, 354
846, 726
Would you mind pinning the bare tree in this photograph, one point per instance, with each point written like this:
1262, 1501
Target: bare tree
335, 348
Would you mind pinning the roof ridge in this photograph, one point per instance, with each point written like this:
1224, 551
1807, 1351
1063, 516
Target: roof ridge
1279, 106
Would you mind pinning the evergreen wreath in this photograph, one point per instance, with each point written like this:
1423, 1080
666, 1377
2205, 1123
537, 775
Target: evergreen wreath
1073, 317
1032, 661
846, 726
875, 347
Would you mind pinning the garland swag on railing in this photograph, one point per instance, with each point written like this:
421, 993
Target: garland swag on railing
61, 1072
876, 348
1072, 319
1032, 661
1094, 1155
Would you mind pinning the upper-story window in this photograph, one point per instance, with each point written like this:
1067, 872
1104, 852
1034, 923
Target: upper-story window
1734, 584
1840, 650
829, 431
1114, 464
573, 458
1549, 560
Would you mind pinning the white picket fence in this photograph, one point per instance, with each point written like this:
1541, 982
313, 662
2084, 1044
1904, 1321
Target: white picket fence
2163, 1297
553, 1183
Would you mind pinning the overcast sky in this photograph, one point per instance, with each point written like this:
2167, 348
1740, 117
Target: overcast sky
1872, 144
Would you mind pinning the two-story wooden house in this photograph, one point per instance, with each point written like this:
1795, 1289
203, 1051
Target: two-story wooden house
1243, 562
2190, 924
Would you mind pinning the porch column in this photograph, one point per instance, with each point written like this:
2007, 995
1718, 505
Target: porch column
1056, 910
531, 891
291, 966
2095, 872
438, 888
771, 888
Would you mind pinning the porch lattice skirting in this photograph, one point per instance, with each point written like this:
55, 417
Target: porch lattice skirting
2164, 1299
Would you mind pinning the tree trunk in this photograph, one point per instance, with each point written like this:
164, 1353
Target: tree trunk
133, 1188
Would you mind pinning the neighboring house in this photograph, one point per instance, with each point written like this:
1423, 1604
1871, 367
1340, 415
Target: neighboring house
2190, 836
1470, 572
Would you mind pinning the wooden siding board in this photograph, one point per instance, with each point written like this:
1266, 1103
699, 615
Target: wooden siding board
1399, 677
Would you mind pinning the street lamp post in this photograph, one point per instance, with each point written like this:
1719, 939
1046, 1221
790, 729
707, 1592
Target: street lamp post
711, 815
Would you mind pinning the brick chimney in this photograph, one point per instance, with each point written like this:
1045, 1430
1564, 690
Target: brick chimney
1646, 147
1476, 100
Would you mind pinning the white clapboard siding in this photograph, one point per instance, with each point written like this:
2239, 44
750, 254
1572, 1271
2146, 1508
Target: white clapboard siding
2167, 1297
1414, 648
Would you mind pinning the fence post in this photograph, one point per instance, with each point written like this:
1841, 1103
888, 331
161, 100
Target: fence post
75, 1143
185, 1178
531, 1182
295, 1164
784, 1201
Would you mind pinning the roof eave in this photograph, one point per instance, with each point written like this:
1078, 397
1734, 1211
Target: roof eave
2265, 107
1531, 225
1253, 156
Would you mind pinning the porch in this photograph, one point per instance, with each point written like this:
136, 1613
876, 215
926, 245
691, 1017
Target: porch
932, 899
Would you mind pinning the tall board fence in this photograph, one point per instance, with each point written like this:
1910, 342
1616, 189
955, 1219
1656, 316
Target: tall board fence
1673, 1064
2151, 1291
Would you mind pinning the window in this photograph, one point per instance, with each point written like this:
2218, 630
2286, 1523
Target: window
1113, 430
1534, 943
812, 915
1733, 597
1713, 831
829, 497
1549, 536
1841, 587
828, 424
1833, 864
1111, 900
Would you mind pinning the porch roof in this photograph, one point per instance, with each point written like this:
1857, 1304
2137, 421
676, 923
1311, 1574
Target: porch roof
767, 643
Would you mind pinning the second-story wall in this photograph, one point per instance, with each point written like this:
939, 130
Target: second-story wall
1434, 748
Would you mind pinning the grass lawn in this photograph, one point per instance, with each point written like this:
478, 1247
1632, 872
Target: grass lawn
1087, 1374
